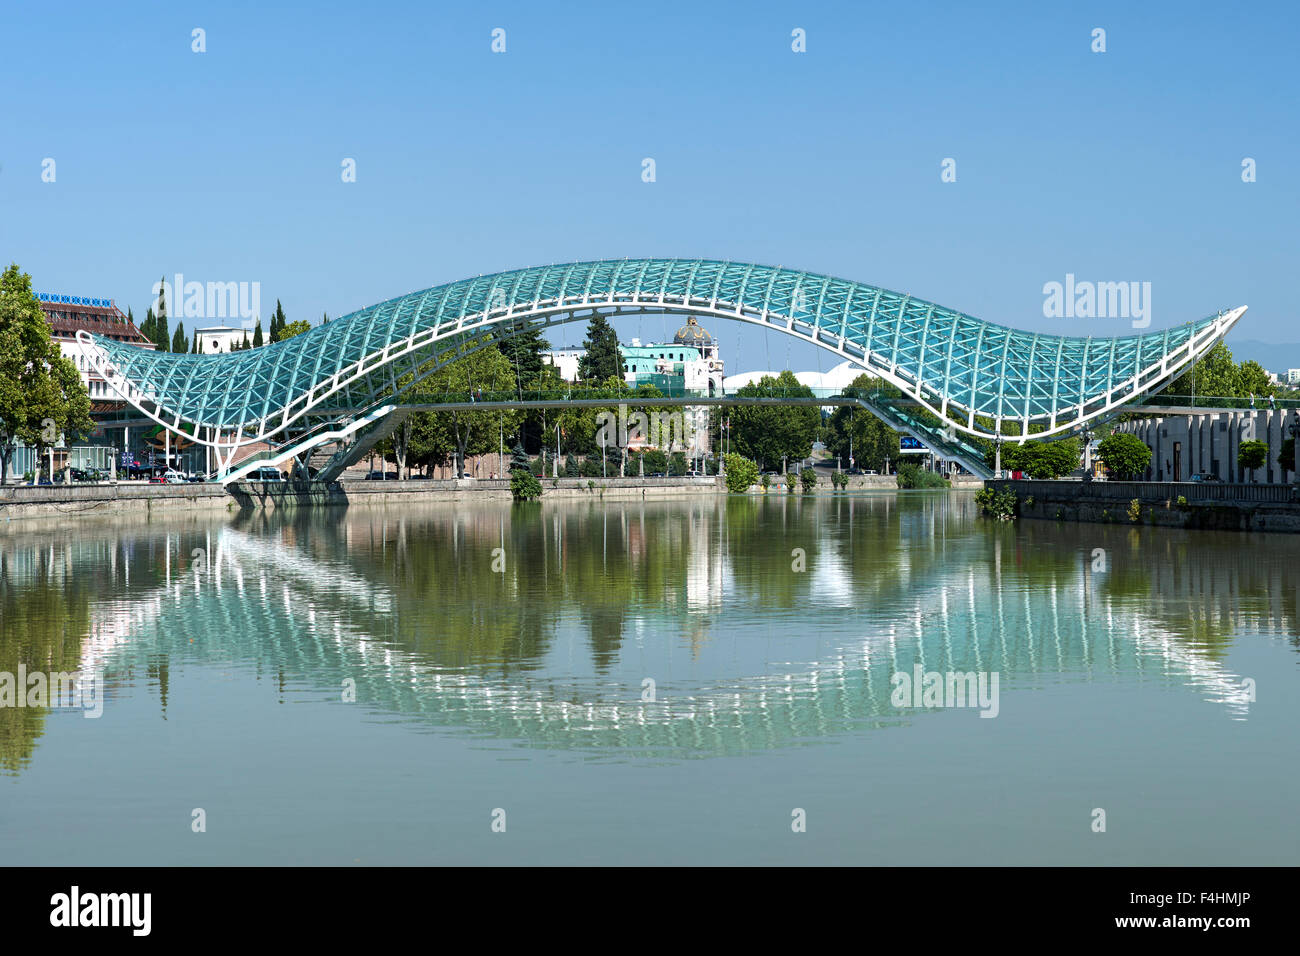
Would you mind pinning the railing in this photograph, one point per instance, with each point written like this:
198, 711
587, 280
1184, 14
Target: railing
615, 396
1157, 490
326, 432
1261, 403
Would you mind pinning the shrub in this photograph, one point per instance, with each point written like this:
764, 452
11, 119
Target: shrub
839, 479
913, 476
1003, 505
808, 478
571, 466
790, 481
741, 473
1135, 510
524, 485
765, 481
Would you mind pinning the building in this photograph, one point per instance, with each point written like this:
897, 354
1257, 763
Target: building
220, 338
565, 362
67, 315
1293, 376
830, 382
1186, 445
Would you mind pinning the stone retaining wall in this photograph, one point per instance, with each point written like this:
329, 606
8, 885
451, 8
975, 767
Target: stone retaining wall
1220, 507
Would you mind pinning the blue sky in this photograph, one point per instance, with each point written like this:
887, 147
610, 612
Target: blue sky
225, 165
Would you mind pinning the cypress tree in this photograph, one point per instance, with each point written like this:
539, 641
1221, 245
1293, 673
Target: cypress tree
278, 322
180, 344
161, 336
257, 335
602, 359
147, 326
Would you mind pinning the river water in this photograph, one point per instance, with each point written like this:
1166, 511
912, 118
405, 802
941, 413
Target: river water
711, 680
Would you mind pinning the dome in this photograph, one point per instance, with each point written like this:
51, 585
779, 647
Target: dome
692, 333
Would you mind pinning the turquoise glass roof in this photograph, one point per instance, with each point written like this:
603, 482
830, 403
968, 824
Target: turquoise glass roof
947, 359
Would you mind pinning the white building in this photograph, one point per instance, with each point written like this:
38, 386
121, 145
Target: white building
221, 338
565, 362
1293, 376
836, 380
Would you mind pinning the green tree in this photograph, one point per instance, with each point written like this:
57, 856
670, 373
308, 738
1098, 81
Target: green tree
769, 433
1286, 456
741, 472
180, 344
160, 336
808, 478
1043, 459
278, 323
257, 335
1214, 375
1124, 454
41, 392
524, 485
523, 345
149, 326
296, 327
478, 370
856, 432
602, 360
1252, 455
1253, 380
519, 457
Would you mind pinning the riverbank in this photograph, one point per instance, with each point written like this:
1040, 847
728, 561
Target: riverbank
1217, 506
26, 503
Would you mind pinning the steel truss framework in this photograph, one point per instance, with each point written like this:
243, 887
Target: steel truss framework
972, 372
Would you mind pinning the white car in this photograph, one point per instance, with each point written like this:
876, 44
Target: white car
172, 477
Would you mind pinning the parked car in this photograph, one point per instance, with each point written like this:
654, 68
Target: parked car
1205, 476
266, 473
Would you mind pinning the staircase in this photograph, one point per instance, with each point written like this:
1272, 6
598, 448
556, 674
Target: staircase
949, 444
324, 434
333, 465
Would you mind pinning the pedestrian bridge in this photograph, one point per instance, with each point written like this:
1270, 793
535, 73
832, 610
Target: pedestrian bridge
970, 374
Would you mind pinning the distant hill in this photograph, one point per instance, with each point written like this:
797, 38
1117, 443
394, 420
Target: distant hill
1275, 357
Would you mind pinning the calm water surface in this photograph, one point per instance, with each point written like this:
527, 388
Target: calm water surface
502, 658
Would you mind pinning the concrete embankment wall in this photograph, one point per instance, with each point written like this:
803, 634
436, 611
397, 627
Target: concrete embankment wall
57, 501
1174, 504
25, 503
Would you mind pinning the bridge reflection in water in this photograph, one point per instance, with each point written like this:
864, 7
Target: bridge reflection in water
698, 596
